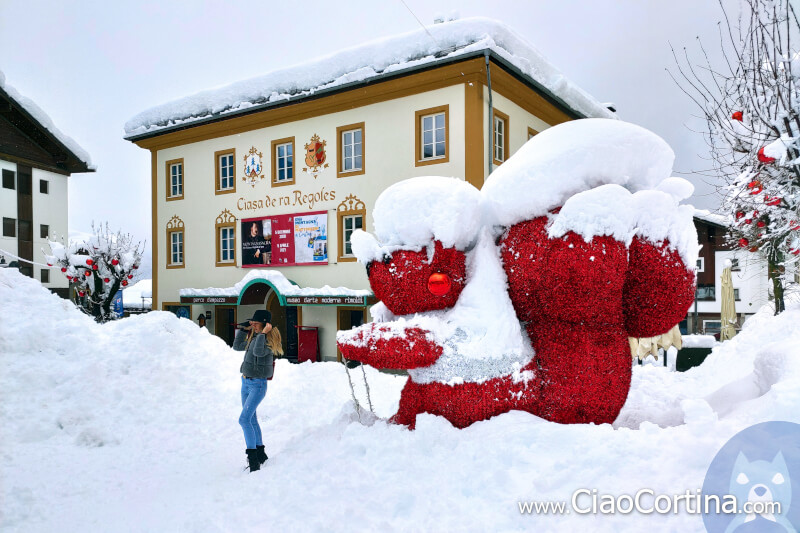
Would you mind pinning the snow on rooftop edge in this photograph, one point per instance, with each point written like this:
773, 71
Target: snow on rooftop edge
415, 48
44, 119
281, 283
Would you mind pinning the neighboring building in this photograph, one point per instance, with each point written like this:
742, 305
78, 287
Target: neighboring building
751, 286
278, 171
36, 160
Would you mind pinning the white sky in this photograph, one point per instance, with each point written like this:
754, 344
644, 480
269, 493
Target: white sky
92, 65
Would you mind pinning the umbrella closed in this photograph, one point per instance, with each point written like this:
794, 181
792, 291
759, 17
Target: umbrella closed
728, 314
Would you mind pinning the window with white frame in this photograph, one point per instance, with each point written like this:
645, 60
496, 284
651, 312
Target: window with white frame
352, 150
176, 248
225, 163
701, 264
227, 242
350, 223
499, 139
433, 136
176, 180
284, 166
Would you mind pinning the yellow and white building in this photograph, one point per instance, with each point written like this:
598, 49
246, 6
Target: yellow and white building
456, 101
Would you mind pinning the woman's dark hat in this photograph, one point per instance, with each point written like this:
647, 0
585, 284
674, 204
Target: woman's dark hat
262, 315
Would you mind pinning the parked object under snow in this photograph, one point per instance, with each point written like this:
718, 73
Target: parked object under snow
522, 296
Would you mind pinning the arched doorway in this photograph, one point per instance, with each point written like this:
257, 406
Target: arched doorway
262, 295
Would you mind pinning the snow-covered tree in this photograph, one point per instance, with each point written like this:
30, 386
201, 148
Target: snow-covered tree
750, 100
98, 267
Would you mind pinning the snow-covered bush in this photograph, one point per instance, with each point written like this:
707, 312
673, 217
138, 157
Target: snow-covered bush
98, 268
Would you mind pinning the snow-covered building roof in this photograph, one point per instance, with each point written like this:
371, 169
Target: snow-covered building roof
712, 218
38, 127
374, 61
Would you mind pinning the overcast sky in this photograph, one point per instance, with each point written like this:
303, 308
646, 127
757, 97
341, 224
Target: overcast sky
92, 65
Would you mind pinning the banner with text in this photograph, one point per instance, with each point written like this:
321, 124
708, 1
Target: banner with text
285, 240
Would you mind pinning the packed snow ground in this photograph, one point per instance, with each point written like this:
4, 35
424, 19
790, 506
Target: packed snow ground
132, 426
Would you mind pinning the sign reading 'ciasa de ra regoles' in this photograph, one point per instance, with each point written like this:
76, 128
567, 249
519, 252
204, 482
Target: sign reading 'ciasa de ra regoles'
285, 240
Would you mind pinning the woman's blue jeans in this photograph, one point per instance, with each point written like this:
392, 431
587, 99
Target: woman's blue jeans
253, 391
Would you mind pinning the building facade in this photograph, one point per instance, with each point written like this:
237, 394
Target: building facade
751, 285
243, 201
36, 161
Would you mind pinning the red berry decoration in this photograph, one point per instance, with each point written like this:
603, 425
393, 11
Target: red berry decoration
135, 267
124, 283
775, 200
81, 294
115, 262
748, 221
764, 158
89, 262
87, 273
755, 187
795, 251
737, 115
106, 280
439, 284
63, 269
761, 223
94, 267
754, 248
739, 214
794, 226
130, 276
743, 242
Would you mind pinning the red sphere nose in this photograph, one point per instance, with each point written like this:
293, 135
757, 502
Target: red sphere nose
439, 284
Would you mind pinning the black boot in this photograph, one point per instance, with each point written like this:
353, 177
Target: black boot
261, 454
252, 459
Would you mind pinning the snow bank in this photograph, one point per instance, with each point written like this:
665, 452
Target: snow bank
47, 123
362, 63
133, 425
573, 157
280, 282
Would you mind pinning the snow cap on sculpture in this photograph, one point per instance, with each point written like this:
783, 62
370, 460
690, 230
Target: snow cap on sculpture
570, 158
414, 213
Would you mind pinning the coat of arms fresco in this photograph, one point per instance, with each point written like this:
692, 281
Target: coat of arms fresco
315, 156
252, 167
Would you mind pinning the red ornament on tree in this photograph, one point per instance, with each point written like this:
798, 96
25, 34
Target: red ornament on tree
89, 262
124, 283
737, 115
81, 294
135, 267
739, 214
748, 221
756, 187
94, 267
764, 158
794, 225
106, 280
87, 273
130, 276
439, 284
761, 223
115, 262
743, 242
64, 269
775, 200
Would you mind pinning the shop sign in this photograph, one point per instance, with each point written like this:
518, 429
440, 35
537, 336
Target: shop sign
209, 299
325, 300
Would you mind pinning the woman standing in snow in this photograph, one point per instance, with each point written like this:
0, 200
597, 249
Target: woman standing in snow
260, 342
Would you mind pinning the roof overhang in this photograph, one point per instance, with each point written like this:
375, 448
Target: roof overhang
63, 159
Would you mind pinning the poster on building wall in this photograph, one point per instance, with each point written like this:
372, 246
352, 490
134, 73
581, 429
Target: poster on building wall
285, 240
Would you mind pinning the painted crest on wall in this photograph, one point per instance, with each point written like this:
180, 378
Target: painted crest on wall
315, 156
252, 167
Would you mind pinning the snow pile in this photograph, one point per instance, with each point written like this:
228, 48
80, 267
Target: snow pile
413, 213
361, 63
281, 284
574, 157
132, 426
42, 118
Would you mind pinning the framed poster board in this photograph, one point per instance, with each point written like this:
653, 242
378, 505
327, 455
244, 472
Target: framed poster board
285, 240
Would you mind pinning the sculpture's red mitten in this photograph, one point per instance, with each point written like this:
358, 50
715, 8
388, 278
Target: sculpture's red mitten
659, 289
384, 346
